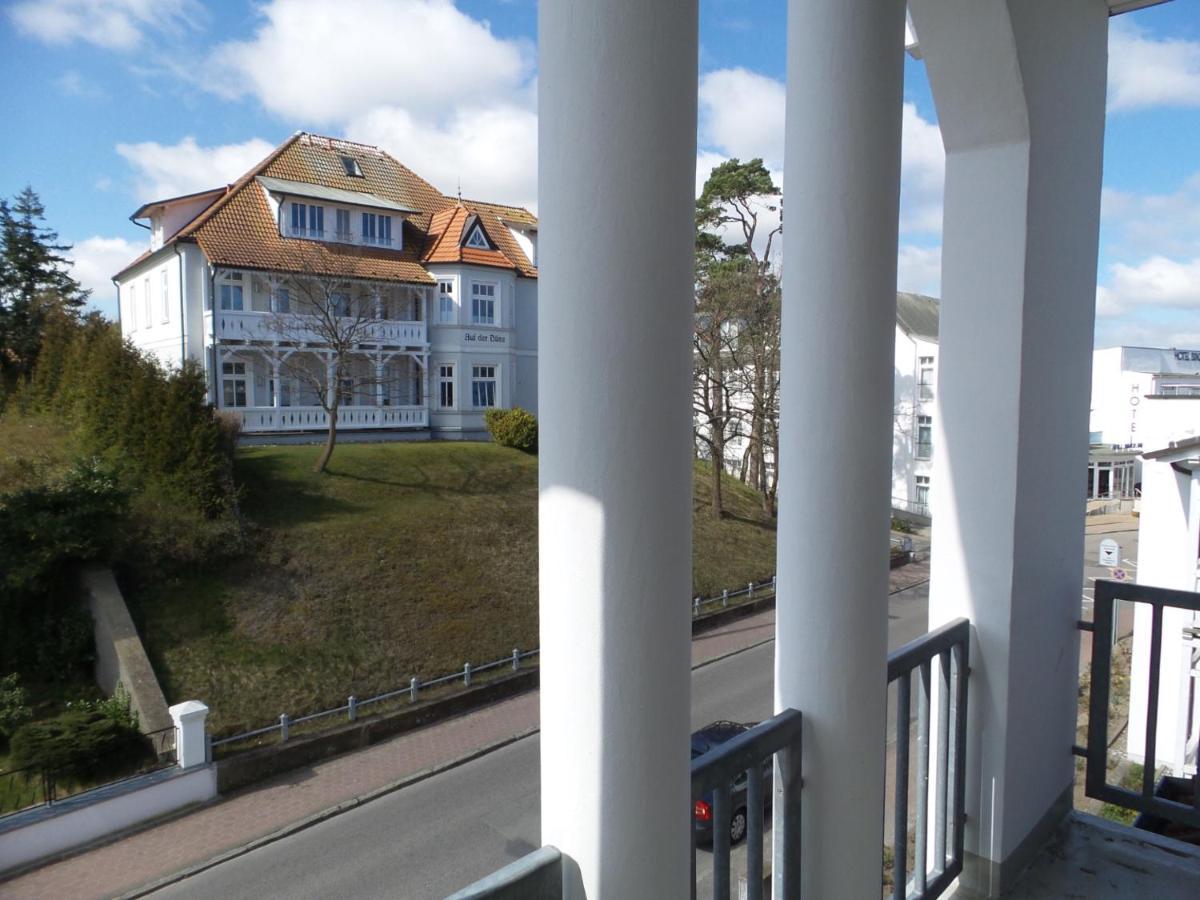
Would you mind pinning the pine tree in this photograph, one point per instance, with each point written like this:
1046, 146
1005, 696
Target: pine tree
34, 281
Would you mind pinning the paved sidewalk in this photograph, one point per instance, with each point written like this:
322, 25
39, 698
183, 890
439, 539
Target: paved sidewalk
243, 817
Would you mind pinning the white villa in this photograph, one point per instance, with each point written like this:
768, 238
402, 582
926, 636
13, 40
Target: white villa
915, 378
441, 294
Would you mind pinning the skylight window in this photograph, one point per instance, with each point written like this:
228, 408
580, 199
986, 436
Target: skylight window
350, 164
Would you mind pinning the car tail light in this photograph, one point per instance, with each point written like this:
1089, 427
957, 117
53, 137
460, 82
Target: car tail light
703, 811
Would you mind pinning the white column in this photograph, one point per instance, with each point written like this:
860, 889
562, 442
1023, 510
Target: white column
842, 177
617, 133
190, 742
277, 400
379, 381
330, 379
1020, 93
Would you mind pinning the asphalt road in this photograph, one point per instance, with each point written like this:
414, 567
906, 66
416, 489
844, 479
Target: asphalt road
436, 836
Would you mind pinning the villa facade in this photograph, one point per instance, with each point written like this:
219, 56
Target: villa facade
330, 271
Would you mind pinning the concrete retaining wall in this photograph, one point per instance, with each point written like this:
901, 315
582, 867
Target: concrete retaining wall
50, 831
120, 656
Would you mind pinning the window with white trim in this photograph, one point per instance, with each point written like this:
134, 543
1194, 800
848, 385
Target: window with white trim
308, 220
287, 387
341, 228
146, 300
231, 292
477, 240
923, 494
446, 386
282, 300
368, 228
483, 386
339, 304
132, 304
164, 298
925, 377
483, 303
924, 449
234, 383
385, 231
446, 311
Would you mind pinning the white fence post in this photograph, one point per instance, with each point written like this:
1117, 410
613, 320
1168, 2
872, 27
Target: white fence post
516, 659
352, 707
725, 597
284, 725
413, 685
191, 747
467, 675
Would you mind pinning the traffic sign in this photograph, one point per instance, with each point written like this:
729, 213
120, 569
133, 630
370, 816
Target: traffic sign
1110, 553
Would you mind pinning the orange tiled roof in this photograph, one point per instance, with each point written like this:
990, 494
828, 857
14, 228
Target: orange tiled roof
448, 228
240, 230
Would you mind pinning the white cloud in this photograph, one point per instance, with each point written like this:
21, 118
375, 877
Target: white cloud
919, 270
1157, 281
96, 260
1153, 223
490, 152
922, 174
111, 24
168, 170
73, 84
1144, 71
741, 114
329, 63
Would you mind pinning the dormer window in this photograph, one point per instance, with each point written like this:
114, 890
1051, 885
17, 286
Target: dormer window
477, 240
353, 169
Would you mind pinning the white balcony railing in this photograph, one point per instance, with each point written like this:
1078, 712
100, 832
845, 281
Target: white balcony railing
256, 419
258, 326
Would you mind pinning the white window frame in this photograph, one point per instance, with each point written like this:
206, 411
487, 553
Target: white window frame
146, 301
448, 316
165, 299
477, 240
233, 373
131, 300
480, 379
493, 299
231, 280
446, 380
340, 217
922, 423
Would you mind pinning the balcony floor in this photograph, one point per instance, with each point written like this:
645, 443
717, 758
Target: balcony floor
1097, 859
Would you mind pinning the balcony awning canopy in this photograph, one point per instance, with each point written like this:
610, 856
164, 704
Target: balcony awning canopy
1184, 455
330, 194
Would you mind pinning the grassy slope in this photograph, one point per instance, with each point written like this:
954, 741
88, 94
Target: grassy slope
402, 559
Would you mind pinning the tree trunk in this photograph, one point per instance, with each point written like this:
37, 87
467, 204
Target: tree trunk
330, 440
718, 435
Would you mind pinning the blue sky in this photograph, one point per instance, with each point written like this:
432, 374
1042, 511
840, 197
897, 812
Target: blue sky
109, 103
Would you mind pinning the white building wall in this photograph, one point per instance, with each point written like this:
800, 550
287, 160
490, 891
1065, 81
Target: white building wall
908, 465
149, 307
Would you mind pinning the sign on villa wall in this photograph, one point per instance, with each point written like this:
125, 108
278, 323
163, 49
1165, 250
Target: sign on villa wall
484, 337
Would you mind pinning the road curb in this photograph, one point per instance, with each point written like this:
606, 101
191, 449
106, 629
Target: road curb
322, 815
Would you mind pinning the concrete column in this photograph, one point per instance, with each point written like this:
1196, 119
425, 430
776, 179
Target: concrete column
617, 133
190, 743
842, 177
1020, 93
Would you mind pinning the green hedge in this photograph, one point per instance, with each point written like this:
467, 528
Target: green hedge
81, 743
514, 427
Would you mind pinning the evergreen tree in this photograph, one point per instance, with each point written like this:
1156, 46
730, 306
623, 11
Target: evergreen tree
35, 281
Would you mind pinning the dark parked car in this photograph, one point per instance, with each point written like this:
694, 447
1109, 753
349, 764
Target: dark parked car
708, 737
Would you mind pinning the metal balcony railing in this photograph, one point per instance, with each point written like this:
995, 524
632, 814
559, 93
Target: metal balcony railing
1096, 784
780, 738
949, 645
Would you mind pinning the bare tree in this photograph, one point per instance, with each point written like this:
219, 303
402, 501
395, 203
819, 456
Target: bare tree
717, 368
325, 327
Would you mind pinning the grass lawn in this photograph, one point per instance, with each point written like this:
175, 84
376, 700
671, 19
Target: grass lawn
403, 559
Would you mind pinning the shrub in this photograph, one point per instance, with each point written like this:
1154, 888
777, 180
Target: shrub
514, 427
80, 742
14, 707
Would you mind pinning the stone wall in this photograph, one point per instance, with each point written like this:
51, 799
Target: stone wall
120, 656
